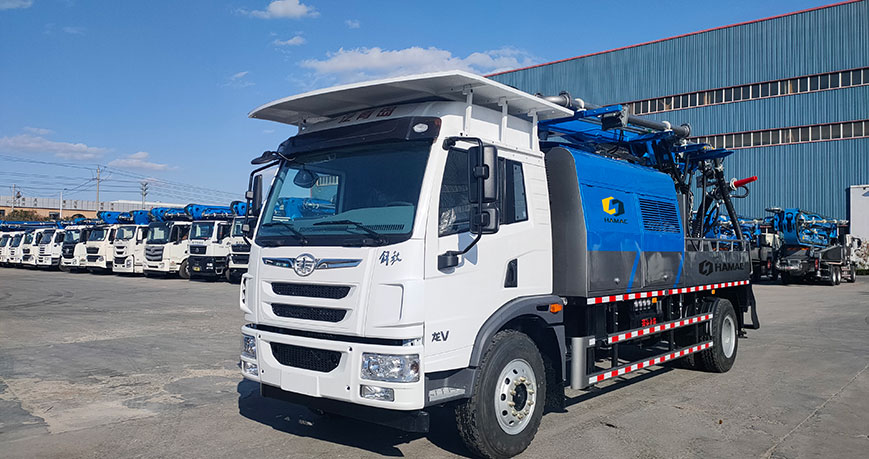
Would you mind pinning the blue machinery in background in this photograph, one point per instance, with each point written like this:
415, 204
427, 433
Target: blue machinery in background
805, 229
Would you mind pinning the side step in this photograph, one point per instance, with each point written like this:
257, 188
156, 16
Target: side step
579, 365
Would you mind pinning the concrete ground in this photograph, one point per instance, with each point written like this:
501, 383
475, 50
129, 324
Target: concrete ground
108, 366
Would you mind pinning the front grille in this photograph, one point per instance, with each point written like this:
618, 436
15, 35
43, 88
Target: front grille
198, 249
304, 357
309, 313
120, 260
92, 258
68, 251
154, 252
310, 290
244, 248
93, 250
240, 259
42, 250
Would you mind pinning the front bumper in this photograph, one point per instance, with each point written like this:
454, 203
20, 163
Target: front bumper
206, 266
343, 382
46, 260
70, 261
161, 266
97, 264
126, 265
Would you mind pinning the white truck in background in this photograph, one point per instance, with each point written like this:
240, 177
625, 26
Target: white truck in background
73, 252
166, 248
209, 241
50, 248
129, 245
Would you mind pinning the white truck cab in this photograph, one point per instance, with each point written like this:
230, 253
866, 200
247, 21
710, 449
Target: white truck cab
30, 247
15, 249
166, 248
99, 249
6, 245
209, 240
50, 247
129, 249
239, 251
73, 252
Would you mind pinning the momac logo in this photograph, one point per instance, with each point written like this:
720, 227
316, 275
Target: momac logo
613, 206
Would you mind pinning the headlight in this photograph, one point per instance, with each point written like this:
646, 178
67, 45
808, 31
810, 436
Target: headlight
248, 346
391, 368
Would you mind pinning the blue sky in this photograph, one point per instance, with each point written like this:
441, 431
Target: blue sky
161, 89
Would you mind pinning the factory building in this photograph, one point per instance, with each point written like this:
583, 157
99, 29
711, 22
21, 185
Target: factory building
789, 94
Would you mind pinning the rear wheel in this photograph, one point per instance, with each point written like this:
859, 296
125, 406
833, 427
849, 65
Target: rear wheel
852, 274
724, 333
503, 415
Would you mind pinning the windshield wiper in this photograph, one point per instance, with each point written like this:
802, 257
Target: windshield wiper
301, 237
378, 237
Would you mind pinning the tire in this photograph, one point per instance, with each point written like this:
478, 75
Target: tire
511, 371
853, 274
65, 269
785, 278
725, 336
184, 270
838, 271
832, 280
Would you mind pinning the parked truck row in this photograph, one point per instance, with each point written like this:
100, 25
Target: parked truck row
195, 241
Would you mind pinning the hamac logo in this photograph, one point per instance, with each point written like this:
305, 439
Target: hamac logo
706, 267
613, 206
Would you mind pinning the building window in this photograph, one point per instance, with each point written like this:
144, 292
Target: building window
798, 134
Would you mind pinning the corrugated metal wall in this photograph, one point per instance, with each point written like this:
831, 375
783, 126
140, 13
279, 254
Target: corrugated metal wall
813, 176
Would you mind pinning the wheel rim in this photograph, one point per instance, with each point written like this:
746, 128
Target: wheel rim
515, 396
728, 337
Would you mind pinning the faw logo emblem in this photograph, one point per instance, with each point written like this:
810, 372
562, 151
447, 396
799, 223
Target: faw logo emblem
613, 206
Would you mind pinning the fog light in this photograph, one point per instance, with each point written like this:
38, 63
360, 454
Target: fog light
392, 368
249, 369
383, 394
248, 346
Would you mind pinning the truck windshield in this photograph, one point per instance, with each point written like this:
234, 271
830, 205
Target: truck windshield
98, 234
46, 237
71, 236
126, 232
28, 238
202, 230
158, 233
357, 195
16, 240
4, 240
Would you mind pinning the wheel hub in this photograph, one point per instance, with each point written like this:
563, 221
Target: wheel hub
515, 396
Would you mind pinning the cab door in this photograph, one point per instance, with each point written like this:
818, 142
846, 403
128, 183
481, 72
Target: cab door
499, 268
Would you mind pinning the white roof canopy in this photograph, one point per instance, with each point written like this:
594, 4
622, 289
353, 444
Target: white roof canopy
442, 86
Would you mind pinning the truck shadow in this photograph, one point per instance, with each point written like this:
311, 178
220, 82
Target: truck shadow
299, 421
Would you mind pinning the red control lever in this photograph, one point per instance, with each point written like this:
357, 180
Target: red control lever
740, 183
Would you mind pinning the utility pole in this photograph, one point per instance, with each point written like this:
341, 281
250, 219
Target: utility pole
144, 193
60, 213
98, 188
14, 198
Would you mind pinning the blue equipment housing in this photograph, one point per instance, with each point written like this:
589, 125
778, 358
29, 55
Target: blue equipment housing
136, 217
109, 218
239, 208
303, 207
805, 229
203, 212
162, 214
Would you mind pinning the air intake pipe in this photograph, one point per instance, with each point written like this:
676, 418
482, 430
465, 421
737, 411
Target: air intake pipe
577, 104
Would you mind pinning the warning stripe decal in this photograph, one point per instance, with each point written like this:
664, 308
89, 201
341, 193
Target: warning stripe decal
647, 363
657, 328
655, 293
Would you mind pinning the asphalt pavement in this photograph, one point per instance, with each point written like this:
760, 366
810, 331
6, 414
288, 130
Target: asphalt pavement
110, 366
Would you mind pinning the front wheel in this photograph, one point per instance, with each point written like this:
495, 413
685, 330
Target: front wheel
503, 415
184, 270
725, 329
852, 274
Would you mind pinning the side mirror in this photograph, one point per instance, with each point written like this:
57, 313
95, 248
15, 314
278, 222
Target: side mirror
484, 189
255, 195
305, 179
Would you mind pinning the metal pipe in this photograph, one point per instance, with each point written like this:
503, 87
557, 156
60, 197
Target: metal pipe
564, 100
578, 368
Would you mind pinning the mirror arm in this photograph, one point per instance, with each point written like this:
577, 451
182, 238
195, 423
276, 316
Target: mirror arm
450, 258
249, 201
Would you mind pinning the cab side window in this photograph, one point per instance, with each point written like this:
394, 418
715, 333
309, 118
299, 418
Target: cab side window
454, 210
222, 231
